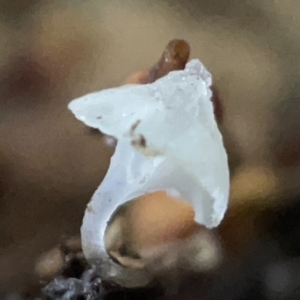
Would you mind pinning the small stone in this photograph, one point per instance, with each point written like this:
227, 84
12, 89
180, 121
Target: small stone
50, 263
71, 244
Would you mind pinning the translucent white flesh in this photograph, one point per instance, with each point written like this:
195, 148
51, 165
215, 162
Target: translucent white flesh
168, 139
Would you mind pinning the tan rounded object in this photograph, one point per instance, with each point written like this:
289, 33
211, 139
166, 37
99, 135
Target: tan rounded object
251, 184
71, 244
159, 218
50, 264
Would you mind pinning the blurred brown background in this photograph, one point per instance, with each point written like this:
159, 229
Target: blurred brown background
50, 53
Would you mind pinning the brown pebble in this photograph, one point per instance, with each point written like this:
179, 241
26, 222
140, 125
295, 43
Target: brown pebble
50, 263
174, 57
71, 244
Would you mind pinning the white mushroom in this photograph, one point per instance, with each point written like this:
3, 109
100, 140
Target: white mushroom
168, 140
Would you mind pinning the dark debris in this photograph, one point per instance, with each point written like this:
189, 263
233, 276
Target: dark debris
91, 287
74, 289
